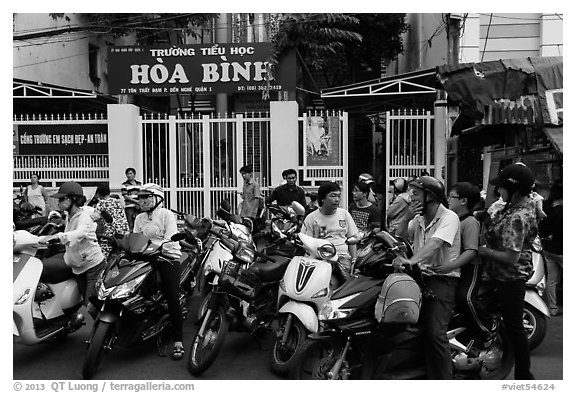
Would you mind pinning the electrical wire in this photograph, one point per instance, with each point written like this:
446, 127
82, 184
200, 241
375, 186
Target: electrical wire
486, 40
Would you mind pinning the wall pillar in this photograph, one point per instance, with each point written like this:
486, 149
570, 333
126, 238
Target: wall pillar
124, 143
283, 138
440, 136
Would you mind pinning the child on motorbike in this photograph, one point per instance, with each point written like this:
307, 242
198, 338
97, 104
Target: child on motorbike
83, 254
335, 224
159, 224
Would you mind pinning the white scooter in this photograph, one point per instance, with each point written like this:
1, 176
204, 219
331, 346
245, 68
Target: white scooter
307, 284
43, 310
535, 309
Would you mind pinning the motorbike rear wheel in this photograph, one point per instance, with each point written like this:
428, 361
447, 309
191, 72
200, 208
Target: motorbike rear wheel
535, 325
207, 344
102, 335
283, 357
315, 358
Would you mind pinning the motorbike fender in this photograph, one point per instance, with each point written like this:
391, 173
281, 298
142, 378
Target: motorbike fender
532, 298
303, 312
26, 282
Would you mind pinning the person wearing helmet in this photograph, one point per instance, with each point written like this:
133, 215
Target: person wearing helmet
83, 253
159, 224
334, 224
507, 255
368, 179
399, 209
435, 231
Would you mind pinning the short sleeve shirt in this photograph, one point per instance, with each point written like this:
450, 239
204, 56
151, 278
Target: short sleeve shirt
365, 216
336, 227
131, 189
513, 228
469, 235
445, 226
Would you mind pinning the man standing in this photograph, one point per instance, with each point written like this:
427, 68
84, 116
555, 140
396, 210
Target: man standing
129, 191
365, 214
435, 231
250, 194
285, 194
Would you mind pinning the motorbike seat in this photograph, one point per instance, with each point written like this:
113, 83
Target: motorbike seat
271, 271
55, 270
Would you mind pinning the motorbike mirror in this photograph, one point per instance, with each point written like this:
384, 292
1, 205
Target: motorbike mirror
298, 208
178, 236
106, 216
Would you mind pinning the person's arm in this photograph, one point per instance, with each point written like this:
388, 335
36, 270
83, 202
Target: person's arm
374, 218
302, 199
44, 194
86, 229
470, 234
272, 197
423, 255
503, 256
396, 207
170, 225
512, 245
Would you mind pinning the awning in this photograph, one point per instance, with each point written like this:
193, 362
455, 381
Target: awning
375, 95
555, 136
514, 91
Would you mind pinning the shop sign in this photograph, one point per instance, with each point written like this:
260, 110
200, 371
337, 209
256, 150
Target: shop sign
196, 69
50, 139
323, 144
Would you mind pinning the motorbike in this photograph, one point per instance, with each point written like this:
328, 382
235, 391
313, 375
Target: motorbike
354, 345
45, 306
133, 308
306, 286
242, 296
536, 311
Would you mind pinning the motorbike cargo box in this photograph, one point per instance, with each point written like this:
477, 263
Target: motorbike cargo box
399, 300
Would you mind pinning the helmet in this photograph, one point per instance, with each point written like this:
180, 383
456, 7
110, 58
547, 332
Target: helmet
366, 178
515, 177
151, 189
400, 185
431, 185
69, 188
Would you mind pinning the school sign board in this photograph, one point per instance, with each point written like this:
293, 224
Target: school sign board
197, 69
50, 139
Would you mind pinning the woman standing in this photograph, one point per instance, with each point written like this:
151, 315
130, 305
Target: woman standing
507, 255
36, 194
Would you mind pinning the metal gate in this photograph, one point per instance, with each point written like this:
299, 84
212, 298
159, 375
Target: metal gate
197, 159
409, 145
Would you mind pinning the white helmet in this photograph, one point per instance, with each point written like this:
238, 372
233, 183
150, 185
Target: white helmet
366, 178
147, 190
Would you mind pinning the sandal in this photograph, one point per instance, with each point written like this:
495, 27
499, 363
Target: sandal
178, 352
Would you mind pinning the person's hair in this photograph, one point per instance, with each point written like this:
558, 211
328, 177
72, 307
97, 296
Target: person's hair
325, 189
469, 191
246, 169
129, 170
103, 189
363, 187
288, 172
35, 174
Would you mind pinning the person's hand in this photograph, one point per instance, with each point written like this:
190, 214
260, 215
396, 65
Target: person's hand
399, 262
415, 207
46, 239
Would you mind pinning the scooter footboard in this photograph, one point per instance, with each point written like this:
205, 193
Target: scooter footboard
303, 312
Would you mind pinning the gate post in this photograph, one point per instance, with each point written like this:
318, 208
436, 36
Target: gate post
172, 162
124, 143
440, 137
206, 168
283, 138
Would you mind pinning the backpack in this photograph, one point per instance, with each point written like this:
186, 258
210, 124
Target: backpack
399, 300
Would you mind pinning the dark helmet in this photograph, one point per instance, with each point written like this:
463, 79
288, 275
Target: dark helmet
400, 185
431, 185
515, 177
72, 190
69, 188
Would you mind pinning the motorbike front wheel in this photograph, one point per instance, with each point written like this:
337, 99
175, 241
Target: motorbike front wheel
315, 359
208, 342
283, 356
535, 325
102, 335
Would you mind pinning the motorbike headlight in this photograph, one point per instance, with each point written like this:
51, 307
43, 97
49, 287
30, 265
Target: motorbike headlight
245, 254
320, 293
333, 309
327, 251
23, 297
127, 288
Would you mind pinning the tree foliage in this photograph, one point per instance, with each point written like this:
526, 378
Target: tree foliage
340, 48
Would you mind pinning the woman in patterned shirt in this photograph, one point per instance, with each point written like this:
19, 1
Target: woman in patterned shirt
507, 255
119, 224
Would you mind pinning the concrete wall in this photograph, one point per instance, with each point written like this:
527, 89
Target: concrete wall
124, 142
283, 138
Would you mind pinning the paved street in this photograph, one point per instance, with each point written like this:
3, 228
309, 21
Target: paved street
241, 359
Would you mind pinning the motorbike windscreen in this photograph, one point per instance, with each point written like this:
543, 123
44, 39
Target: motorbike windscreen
134, 243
